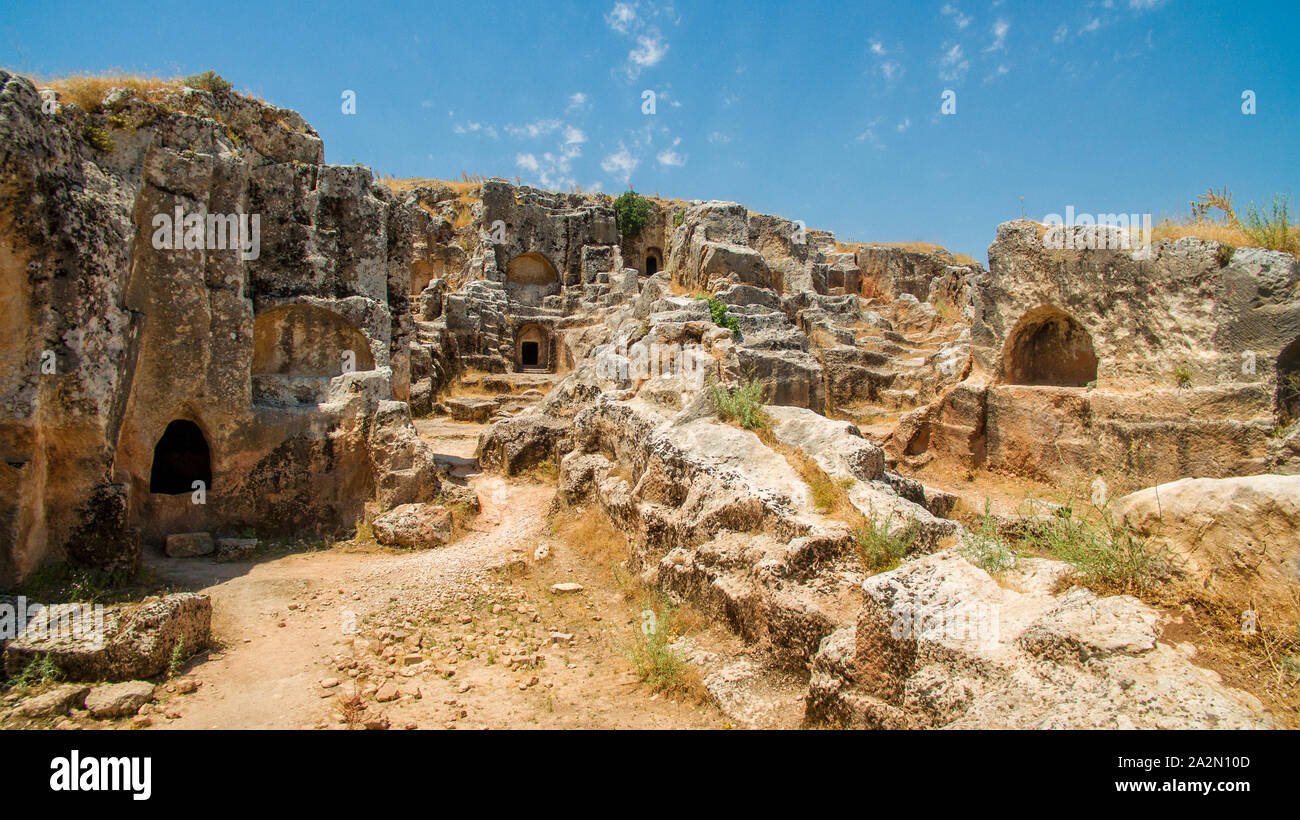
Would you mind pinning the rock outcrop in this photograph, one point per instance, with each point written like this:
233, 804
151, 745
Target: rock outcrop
114, 643
941, 644
1238, 539
250, 356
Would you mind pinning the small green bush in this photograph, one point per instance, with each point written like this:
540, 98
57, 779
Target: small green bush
985, 547
721, 318
178, 658
655, 661
679, 216
209, 81
743, 403
882, 550
98, 138
1183, 376
39, 672
1102, 552
1272, 229
632, 212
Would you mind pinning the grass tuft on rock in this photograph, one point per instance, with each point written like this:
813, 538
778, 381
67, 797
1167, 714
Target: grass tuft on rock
1106, 555
881, 548
742, 403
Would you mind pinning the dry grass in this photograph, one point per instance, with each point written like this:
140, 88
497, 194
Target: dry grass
829, 497
1226, 234
678, 289
88, 90
1214, 231
1265, 663
352, 709
465, 190
592, 535
462, 187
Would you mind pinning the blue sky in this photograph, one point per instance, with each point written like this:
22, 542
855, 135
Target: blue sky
824, 112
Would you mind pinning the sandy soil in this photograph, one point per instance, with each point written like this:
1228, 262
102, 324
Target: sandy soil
469, 635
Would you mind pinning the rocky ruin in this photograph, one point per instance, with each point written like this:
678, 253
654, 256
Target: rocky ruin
156, 384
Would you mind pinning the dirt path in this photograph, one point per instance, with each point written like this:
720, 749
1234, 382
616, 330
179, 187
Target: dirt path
468, 635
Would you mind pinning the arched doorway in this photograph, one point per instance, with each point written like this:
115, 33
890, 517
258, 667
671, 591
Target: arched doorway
180, 458
533, 348
1049, 347
1288, 384
653, 261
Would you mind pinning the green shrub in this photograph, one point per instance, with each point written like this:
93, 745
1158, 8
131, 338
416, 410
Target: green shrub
178, 658
1272, 229
56, 582
654, 660
1289, 397
1183, 376
39, 672
632, 211
879, 548
208, 81
679, 216
743, 403
721, 318
985, 547
98, 138
1102, 552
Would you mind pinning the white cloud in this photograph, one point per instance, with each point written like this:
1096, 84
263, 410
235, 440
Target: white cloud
1094, 25
1061, 33
573, 136
905, 124
476, 128
533, 130
950, 10
1000, 71
650, 49
621, 163
649, 43
1145, 5
869, 134
621, 17
1000, 29
719, 137
577, 101
670, 157
554, 170
954, 65
890, 70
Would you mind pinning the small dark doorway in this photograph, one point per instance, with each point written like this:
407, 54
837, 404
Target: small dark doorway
651, 266
528, 354
180, 458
